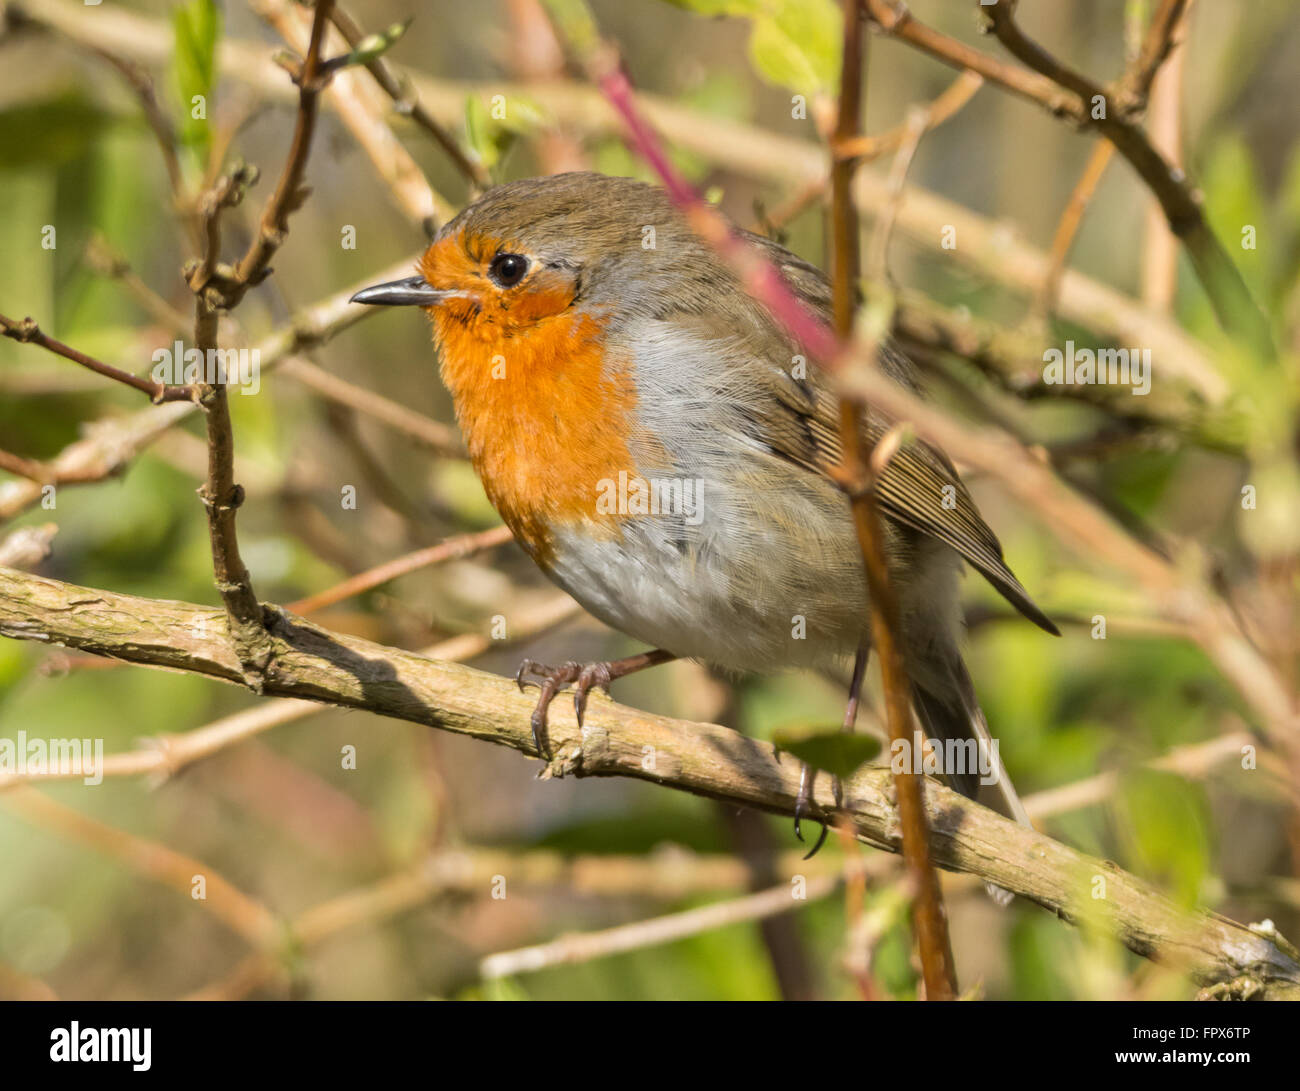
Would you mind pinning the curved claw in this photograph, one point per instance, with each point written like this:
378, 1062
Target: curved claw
821, 840
593, 675
538, 723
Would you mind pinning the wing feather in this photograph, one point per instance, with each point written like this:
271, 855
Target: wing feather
919, 488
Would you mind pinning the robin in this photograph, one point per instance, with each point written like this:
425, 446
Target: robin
664, 453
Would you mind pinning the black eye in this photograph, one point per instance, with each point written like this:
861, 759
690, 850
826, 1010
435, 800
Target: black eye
508, 269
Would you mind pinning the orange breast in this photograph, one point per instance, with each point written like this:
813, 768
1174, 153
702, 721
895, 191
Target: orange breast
544, 414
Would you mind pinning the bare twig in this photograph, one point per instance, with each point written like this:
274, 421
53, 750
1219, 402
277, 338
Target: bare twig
407, 101
1068, 226
361, 107
866, 148
1157, 44
457, 548
587, 946
434, 435
28, 332
111, 444
955, 96
1070, 95
26, 467
1159, 247
241, 914
289, 192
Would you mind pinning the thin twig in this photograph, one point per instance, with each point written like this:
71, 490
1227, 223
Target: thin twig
407, 101
1068, 226
1075, 97
1159, 275
361, 107
289, 192
215, 289
429, 433
587, 946
954, 97
111, 444
28, 332
240, 913
867, 148
453, 549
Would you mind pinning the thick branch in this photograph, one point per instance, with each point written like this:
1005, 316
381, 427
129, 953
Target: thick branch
705, 759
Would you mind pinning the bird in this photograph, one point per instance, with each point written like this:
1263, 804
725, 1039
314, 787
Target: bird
662, 450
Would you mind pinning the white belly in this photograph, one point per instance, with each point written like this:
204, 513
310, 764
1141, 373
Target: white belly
749, 587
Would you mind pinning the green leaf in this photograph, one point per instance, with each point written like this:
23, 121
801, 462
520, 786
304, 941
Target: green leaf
792, 43
576, 24
491, 130
196, 26
478, 138
374, 45
778, 58
1165, 821
827, 748
815, 25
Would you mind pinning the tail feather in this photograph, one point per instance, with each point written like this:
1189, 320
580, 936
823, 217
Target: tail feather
950, 711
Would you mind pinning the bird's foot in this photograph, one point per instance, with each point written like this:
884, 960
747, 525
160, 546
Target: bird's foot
550, 680
584, 677
803, 808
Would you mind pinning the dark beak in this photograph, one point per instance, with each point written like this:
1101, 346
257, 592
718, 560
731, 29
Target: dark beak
408, 292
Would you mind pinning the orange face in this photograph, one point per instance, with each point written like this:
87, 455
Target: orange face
543, 402
500, 289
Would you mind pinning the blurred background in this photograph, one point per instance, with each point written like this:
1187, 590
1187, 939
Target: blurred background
387, 868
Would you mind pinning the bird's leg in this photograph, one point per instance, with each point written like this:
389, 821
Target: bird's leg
584, 677
808, 775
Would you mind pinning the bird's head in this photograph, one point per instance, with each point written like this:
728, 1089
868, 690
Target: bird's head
531, 250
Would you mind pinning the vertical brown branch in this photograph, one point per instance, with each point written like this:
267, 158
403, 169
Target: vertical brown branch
1071, 219
217, 288
289, 193
927, 910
